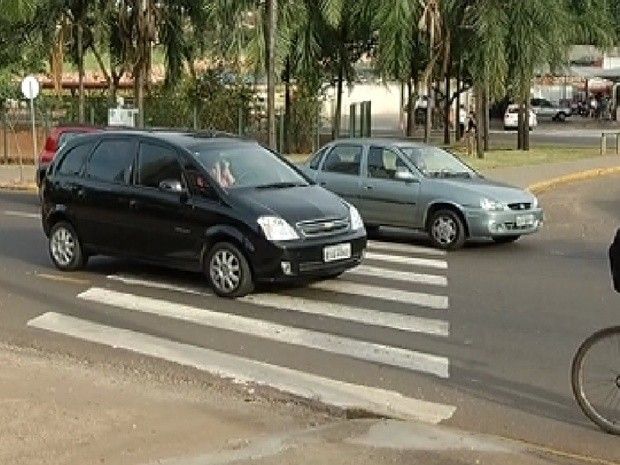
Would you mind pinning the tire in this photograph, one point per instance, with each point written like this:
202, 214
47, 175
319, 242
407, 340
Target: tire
446, 230
505, 239
65, 248
232, 276
577, 378
561, 117
371, 229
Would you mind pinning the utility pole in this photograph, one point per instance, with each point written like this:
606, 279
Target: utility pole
272, 6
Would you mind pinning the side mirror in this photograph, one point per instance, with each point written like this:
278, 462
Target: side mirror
405, 175
171, 185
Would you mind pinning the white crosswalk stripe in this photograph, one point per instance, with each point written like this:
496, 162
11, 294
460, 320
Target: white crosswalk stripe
242, 370
369, 351
321, 308
403, 260
421, 299
404, 248
395, 275
403, 265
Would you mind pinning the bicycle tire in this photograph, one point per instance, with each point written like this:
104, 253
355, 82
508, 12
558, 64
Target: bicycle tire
577, 380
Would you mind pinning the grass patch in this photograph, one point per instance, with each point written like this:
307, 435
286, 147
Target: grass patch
535, 156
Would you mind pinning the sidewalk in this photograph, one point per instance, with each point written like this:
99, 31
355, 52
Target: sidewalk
525, 176
56, 411
9, 174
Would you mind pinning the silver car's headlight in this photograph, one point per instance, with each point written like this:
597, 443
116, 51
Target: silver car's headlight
356, 219
492, 205
535, 202
277, 229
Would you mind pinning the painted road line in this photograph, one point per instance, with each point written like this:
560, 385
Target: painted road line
34, 216
394, 275
398, 321
404, 248
157, 284
368, 351
421, 299
242, 370
401, 260
62, 278
345, 287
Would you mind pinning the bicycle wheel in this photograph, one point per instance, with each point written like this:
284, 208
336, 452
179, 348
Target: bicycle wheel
595, 378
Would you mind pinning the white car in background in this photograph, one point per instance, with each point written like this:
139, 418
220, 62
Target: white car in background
511, 118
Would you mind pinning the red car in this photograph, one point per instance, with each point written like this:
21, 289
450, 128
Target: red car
56, 138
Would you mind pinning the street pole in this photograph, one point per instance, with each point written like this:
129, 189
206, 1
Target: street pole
272, 5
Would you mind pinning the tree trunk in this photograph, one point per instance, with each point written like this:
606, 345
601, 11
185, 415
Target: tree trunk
401, 114
139, 90
287, 107
428, 124
80, 53
486, 122
338, 113
272, 9
446, 116
520, 127
479, 111
526, 125
410, 109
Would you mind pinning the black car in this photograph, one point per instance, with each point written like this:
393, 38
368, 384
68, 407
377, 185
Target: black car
213, 203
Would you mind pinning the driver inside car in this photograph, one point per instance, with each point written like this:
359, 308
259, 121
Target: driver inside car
222, 173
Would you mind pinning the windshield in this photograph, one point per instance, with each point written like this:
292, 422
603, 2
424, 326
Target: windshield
433, 162
246, 165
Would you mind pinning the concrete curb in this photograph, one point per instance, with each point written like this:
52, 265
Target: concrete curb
31, 187
543, 186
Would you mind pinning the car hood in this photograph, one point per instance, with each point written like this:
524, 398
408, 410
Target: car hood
293, 204
491, 189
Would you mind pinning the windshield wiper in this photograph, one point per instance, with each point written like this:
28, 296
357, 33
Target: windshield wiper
281, 185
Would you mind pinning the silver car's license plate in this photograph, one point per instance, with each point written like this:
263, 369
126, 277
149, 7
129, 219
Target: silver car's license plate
524, 220
332, 253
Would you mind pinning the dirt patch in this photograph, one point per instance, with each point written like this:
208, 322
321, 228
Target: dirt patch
53, 411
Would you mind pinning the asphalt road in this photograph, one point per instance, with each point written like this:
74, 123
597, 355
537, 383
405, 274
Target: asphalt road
499, 351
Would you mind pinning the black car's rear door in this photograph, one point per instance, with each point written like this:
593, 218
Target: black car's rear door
104, 205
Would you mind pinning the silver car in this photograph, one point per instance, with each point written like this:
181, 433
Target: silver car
417, 186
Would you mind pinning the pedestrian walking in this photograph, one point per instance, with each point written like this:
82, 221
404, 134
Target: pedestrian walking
593, 106
462, 121
472, 129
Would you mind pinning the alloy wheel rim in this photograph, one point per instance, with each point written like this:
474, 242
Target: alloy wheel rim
444, 230
63, 246
225, 271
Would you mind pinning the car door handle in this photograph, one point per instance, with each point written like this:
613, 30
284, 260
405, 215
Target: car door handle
368, 188
133, 203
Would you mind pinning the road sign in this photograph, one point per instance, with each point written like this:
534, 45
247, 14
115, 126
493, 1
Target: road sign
30, 87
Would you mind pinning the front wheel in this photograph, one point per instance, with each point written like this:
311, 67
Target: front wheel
595, 379
505, 239
446, 230
65, 248
228, 271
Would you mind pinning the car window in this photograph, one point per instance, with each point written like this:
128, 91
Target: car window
344, 159
156, 164
240, 165
434, 162
384, 163
316, 159
112, 161
67, 136
73, 161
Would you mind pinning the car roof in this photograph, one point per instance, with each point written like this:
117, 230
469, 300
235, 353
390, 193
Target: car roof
389, 141
185, 139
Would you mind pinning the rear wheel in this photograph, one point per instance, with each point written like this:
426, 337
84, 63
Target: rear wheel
561, 117
446, 230
505, 239
595, 378
228, 271
65, 248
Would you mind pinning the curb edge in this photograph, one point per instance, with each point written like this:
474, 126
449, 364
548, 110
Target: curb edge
543, 186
